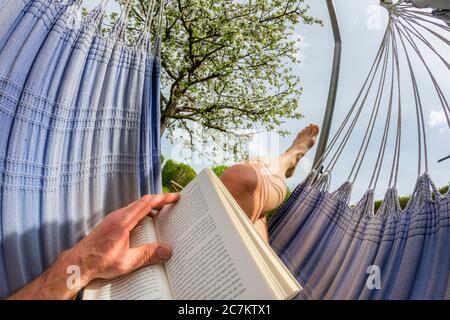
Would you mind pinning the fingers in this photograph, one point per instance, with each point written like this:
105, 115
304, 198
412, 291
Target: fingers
159, 202
149, 254
142, 207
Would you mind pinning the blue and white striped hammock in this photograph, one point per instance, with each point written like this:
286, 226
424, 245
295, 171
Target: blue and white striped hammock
79, 113
332, 248
79, 129
339, 251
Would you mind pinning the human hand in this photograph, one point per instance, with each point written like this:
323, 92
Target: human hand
105, 252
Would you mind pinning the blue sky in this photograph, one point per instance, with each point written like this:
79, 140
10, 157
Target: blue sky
361, 38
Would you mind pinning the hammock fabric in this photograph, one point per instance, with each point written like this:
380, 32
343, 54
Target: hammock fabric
441, 8
79, 129
436, 4
339, 251
330, 246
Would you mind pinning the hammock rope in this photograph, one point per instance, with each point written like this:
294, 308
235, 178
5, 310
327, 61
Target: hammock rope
400, 29
328, 244
370, 76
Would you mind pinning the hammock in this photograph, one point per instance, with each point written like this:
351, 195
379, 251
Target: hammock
79, 120
441, 8
339, 251
436, 4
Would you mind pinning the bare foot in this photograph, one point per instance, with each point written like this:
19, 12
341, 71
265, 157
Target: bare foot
304, 141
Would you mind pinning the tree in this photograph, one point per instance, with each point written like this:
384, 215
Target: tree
219, 170
225, 68
179, 173
403, 200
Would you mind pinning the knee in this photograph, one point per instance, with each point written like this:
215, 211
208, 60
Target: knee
240, 178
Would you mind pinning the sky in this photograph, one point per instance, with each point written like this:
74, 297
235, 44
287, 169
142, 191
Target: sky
362, 24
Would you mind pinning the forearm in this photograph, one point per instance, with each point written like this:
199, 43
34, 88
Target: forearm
53, 284
105, 253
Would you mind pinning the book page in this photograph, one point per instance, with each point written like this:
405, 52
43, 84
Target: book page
284, 282
209, 259
148, 283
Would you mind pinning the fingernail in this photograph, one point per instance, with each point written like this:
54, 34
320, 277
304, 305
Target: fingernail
163, 253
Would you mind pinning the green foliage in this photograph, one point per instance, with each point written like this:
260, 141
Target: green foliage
403, 200
161, 159
226, 65
181, 173
218, 170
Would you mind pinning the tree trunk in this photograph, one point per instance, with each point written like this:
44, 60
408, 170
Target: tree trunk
168, 111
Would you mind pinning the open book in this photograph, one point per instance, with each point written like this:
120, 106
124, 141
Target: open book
217, 253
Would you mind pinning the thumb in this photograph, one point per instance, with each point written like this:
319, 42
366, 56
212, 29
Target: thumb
148, 254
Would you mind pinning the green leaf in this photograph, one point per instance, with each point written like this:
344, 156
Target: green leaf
225, 68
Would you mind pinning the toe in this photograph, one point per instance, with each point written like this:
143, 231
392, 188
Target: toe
314, 129
303, 131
